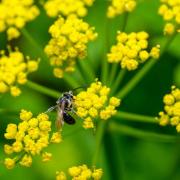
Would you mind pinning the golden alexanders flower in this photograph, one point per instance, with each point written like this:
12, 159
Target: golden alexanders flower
170, 11
118, 7
29, 138
171, 113
132, 50
69, 42
95, 103
15, 14
80, 173
67, 7
14, 69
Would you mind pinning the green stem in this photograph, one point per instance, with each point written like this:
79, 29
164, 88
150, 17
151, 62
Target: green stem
71, 81
34, 43
125, 20
43, 90
28, 36
99, 137
137, 78
146, 135
105, 64
136, 117
87, 70
114, 68
118, 81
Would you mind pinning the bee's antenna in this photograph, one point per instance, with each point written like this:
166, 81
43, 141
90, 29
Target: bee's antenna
81, 87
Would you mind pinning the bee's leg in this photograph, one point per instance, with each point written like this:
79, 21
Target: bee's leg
51, 109
59, 124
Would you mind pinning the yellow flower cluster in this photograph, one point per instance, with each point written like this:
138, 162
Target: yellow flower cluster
80, 173
170, 11
29, 138
15, 14
67, 7
118, 7
69, 41
95, 103
131, 50
14, 69
171, 114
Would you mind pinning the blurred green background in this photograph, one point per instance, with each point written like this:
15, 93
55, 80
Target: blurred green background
121, 157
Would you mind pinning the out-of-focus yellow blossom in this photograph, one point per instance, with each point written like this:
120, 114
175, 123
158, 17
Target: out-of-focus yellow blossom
9, 163
60, 175
67, 7
118, 7
80, 173
95, 103
170, 11
69, 42
15, 14
171, 113
29, 138
132, 50
14, 69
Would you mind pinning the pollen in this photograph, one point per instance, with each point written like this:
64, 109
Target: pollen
14, 69
118, 7
132, 50
81, 172
67, 7
170, 11
30, 137
15, 14
95, 103
69, 42
171, 113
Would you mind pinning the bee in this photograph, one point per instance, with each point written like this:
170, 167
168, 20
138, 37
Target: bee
64, 107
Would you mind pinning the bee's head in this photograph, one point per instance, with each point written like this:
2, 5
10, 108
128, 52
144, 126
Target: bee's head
68, 95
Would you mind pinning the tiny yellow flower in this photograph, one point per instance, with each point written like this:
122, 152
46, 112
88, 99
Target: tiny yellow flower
9, 163
171, 114
81, 173
95, 103
15, 14
118, 7
170, 11
68, 43
30, 137
46, 157
26, 161
8, 149
131, 50
60, 175
66, 7
56, 137
14, 69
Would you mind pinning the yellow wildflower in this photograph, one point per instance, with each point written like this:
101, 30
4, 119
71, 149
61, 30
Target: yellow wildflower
171, 114
14, 69
118, 7
26, 161
46, 156
94, 103
9, 163
81, 173
69, 42
30, 137
67, 7
170, 11
131, 50
60, 175
15, 14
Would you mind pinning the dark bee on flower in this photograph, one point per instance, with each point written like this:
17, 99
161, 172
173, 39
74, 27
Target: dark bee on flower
64, 107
